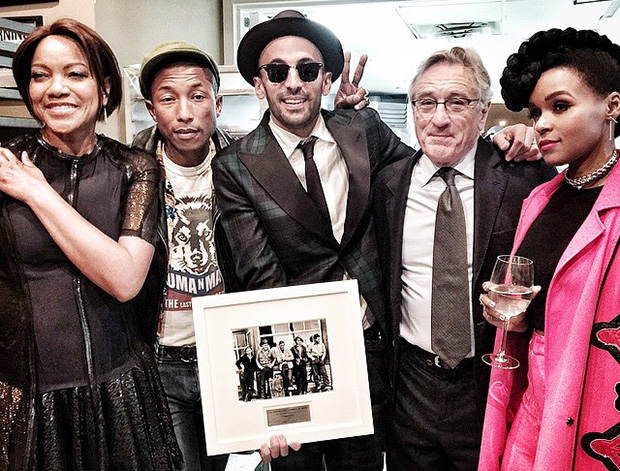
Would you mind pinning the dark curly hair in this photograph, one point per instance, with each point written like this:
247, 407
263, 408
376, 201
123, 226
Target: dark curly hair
591, 55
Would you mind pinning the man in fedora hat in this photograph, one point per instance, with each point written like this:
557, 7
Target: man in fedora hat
296, 216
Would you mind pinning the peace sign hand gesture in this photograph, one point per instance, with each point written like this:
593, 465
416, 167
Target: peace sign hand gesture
350, 94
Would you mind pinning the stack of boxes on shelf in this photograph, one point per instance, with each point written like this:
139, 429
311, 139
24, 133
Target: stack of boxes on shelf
14, 117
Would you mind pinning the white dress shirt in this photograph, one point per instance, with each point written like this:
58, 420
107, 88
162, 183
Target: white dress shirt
332, 168
418, 241
334, 176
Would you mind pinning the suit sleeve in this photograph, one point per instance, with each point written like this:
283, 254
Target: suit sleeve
256, 263
383, 143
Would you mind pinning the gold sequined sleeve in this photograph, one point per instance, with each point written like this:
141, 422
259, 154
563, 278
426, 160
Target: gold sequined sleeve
140, 211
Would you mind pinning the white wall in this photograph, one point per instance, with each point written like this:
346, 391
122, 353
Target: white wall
134, 27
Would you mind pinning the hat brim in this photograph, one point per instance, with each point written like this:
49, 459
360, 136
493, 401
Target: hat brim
253, 43
153, 66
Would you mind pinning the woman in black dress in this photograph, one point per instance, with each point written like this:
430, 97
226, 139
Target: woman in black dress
78, 388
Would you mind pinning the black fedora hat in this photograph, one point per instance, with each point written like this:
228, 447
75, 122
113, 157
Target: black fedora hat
288, 23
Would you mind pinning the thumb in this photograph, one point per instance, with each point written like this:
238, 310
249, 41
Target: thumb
26, 160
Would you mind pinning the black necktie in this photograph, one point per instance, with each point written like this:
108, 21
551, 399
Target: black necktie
450, 318
313, 181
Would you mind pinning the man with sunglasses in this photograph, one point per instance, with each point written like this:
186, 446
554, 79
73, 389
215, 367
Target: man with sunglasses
295, 193
442, 217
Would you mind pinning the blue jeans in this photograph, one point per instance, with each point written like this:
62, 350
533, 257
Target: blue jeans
180, 381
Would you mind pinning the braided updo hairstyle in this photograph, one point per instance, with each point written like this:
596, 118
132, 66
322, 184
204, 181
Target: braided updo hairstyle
592, 56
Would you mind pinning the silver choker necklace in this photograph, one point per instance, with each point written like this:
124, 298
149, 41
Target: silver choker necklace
580, 182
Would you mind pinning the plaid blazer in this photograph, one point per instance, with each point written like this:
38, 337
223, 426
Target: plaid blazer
277, 236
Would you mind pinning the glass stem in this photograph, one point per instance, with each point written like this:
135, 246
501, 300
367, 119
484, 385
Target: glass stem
502, 345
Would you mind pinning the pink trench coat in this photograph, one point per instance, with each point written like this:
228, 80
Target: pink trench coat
580, 425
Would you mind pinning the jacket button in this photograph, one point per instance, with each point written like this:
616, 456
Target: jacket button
570, 421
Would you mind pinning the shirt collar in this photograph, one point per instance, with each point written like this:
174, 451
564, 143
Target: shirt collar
289, 141
427, 169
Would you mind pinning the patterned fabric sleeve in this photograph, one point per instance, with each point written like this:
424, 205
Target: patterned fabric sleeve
140, 216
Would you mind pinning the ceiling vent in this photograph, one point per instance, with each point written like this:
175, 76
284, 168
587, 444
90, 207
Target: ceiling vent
455, 30
453, 20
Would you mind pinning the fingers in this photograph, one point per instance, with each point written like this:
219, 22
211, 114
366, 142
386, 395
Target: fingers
344, 76
359, 70
6, 155
488, 308
278, 446
265, 453
362, 96
519, 142
26, 160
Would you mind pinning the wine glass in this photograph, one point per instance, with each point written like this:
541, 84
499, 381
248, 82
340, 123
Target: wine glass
511, 289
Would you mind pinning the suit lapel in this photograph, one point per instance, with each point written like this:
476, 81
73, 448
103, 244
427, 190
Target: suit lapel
351, 139
489, 187
265, 160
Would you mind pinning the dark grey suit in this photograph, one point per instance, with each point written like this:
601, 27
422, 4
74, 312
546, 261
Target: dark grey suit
279, 238
499, 189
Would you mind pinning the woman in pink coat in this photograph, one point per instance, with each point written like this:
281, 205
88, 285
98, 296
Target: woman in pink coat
560, 410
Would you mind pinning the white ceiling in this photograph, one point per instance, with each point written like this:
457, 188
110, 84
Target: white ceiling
397, 35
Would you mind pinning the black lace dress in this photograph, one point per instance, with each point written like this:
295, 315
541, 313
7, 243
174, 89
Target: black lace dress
79, 390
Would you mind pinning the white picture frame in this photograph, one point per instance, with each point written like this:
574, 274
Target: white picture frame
233, 425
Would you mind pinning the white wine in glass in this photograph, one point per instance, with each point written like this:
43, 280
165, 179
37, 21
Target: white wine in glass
511, 289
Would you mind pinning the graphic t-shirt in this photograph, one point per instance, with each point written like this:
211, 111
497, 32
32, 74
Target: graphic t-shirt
192, 265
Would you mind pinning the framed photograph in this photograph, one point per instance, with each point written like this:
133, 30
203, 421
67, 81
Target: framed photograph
283, 360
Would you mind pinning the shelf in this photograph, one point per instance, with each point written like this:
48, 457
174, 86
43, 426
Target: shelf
9, 122
10, 94
11, 105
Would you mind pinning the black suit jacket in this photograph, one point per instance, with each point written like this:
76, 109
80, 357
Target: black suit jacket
277, 235
499, 190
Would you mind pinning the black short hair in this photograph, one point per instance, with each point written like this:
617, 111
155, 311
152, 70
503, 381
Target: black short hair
592, 56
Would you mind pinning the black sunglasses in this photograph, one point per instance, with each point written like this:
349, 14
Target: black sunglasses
277, 73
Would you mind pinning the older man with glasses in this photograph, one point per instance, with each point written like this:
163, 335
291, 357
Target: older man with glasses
442, 217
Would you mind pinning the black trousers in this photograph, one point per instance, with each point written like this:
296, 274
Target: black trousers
364, 453
437, 425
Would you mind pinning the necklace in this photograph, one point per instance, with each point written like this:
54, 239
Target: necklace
580, 182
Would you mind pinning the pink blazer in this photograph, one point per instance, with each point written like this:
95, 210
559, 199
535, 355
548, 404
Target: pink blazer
580, 427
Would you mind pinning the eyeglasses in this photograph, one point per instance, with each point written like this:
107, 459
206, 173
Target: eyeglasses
456, 105
307, 71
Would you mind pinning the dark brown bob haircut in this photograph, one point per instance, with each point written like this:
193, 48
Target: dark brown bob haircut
101, 60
